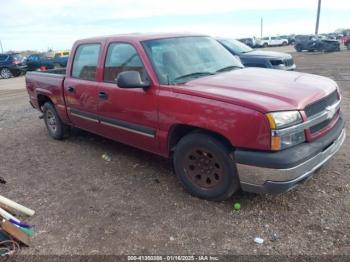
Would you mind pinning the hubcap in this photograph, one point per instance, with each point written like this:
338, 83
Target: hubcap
5, 73
51, 121
203, 168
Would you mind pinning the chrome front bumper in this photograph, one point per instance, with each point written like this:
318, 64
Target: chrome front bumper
270, 180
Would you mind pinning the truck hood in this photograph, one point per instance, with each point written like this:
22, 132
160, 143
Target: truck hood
264, 90
265, 54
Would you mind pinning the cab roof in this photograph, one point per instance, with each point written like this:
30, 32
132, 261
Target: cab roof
138, 37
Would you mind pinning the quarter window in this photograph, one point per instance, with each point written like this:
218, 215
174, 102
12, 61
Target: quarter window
122, 57
85, 62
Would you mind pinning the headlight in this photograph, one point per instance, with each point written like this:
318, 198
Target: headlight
281, 120
276, 62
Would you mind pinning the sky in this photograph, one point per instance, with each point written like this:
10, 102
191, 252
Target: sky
40, 25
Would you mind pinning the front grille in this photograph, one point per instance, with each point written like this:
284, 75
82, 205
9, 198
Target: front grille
321, 125
321, 105
288, 62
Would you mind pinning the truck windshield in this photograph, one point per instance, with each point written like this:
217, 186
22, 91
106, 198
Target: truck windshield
236, 46
180, 59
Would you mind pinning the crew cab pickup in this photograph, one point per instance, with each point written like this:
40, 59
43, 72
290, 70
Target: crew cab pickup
272, 41
186, 97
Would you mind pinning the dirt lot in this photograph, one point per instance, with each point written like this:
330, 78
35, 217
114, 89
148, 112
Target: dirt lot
134, 204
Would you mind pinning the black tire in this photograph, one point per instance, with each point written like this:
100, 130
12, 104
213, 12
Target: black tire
348, 46
16, 74
5, 73
265, 45
284, 43
55, 127
298, 48
204, 167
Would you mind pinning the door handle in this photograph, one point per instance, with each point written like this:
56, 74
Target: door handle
71, 89
103, 95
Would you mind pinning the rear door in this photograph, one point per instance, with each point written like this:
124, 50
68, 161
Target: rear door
274, 41
127, 115
80, 87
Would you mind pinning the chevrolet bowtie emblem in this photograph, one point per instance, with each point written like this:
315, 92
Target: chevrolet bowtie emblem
331, 110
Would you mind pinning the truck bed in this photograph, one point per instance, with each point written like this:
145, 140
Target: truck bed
47, 84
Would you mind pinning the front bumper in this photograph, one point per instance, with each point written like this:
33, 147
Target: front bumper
277, 172
21, 70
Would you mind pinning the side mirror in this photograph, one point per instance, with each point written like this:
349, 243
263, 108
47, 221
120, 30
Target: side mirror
131, 79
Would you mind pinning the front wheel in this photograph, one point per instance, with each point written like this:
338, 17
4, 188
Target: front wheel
284, 43
348, 46
6, 73
204, 166
265, 45
56, 128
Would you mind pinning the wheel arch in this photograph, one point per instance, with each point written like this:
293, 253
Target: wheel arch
178, 131
42, 99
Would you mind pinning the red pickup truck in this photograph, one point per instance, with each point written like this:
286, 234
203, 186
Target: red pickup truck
184, 96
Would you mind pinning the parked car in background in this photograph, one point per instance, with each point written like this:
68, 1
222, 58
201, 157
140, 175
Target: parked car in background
313, 43
39, 62
257, 58
272, 41
250, 41
11, 65
185, 97
61, 53
290, 38
60, 59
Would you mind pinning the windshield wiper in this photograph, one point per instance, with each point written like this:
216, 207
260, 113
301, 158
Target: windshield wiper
228, 68
193, 75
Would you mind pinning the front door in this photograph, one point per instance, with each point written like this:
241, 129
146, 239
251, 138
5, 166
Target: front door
127, 115
80, 88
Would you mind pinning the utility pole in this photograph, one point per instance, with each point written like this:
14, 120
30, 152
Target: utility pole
318, 16
2, 50
261, 27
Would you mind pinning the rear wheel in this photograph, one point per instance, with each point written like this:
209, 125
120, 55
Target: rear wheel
284, 43
203, 165
348, 46
56, 128
5, 73
265, 45
298, 48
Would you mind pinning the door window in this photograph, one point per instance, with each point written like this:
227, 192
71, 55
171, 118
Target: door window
3, 58
85, 62
122, 57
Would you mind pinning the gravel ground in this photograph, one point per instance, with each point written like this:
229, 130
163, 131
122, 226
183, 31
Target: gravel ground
135, 205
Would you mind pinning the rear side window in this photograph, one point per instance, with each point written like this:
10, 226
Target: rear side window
122, 57
3, 58
85, 62
33, 58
